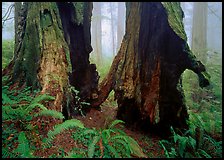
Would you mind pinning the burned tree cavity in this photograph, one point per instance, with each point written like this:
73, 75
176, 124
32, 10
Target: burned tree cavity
76, 21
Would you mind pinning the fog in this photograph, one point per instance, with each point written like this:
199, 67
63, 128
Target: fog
112, 21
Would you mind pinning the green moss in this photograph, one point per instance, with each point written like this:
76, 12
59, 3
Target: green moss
79, 9
46, 19
175, 18
31, 47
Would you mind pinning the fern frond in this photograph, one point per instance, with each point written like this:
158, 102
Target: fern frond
202, 152
133, 145
52, 113
6, 99
91, 147
41, 98
115, 122
107, 132
74, 155
34, 105
113, 151
90, 131
6, 153
124, 145
68, 124
7, 113
23, 147
135, 148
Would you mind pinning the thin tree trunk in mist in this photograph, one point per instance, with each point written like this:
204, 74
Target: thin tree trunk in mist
97, 32
120, 23
112, 28
199, 30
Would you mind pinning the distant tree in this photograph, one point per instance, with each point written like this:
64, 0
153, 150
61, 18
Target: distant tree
120, 23
112, 28
97, 32
199, 30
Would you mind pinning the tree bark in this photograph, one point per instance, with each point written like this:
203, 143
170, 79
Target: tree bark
17, 18
146, 73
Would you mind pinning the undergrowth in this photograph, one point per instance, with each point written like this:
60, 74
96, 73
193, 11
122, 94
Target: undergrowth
109, 142
204, 138
194, 143
18, 134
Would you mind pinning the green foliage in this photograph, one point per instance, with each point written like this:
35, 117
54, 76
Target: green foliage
51, 113
68, 124
79, 105
13, 109
7, 52
193, 143
23, 148
206, 102
110, 142
17, 110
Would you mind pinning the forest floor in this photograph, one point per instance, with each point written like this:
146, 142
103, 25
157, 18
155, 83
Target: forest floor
99, 119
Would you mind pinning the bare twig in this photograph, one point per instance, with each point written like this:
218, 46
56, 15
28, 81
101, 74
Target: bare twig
215, 14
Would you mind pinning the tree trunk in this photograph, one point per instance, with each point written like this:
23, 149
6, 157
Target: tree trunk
199, 30
97, 32
146, 73
55, 36
112, 29
120, 23
17, 19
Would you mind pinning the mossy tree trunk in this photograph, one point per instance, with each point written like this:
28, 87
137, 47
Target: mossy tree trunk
55, 41
17, 19
146, 73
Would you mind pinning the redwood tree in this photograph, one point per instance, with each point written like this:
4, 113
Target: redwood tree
146, 73
53, 51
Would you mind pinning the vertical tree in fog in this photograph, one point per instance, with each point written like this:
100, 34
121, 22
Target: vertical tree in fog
112, 28
199, 30
120, 23
97, 32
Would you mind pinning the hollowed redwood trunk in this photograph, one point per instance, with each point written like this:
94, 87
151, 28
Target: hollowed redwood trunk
146, 73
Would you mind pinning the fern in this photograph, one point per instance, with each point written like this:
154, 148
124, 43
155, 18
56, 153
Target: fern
122, 146
92, 145
113, 151
42, 97
134, 147
6, 99
202, 152
68, 124
115, 122
52, 113
183, 144
115, 142
6, 153
23, 147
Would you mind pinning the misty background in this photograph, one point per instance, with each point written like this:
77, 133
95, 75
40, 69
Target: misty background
108, 26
